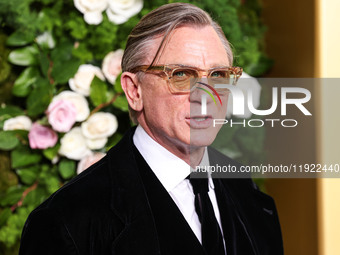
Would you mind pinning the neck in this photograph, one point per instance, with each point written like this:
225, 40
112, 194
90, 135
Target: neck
192, 155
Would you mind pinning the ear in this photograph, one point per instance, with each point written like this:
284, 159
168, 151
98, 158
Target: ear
132, 90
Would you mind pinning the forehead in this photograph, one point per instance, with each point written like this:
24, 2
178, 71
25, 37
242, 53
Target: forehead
195, 46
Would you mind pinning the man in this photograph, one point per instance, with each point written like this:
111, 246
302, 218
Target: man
138, 199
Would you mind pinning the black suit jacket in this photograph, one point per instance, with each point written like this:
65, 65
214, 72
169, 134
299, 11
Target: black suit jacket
118, 206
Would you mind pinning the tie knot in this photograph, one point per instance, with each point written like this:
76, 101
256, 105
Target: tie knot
199, 182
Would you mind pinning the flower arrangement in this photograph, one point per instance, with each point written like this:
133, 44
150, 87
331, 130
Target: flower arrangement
61, 103
66, 127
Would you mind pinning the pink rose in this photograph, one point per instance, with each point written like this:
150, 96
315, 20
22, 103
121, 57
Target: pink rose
61, 115
88, 161
41, 137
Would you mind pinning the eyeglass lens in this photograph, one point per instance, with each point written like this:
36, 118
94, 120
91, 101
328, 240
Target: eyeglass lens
184, 79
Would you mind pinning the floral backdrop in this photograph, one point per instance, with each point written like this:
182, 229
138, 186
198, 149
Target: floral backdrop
62, 105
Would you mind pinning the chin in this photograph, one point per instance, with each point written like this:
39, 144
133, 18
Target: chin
202, 137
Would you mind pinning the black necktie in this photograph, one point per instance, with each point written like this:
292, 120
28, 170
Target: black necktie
212, 239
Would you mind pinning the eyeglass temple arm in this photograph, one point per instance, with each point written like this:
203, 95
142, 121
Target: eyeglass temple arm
145, 68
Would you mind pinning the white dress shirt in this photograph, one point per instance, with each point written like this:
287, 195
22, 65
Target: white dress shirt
171, 171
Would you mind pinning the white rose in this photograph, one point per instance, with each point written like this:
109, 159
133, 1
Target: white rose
120, 11
100, 125
81, 82
19, 122
89, 160
96, 144
246, 83
111, 66
73, 145
78, 100
92, 10
46, 39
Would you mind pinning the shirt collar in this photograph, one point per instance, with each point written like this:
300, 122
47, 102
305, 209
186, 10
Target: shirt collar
169, 169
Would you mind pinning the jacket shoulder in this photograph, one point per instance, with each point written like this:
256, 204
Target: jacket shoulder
82, 191
74, 218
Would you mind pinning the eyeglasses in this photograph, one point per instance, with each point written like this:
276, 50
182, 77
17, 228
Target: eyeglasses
185, 78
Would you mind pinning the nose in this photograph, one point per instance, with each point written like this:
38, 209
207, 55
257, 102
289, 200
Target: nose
201, 90
204, 79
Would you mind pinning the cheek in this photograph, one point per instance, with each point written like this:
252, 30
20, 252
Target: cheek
167, 109
222, 110
157, 108
225, 98
161, 107
159, 101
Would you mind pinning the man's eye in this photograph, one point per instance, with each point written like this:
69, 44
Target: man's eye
184, 74
218, 74
179, 73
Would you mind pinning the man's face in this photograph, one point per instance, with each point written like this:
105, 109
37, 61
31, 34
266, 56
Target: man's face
176, 119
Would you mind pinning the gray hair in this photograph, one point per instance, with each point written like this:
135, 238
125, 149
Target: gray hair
161, 22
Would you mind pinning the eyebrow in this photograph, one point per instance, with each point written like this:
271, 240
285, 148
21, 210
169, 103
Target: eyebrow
213, 66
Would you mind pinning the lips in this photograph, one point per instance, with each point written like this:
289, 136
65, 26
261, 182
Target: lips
199, 121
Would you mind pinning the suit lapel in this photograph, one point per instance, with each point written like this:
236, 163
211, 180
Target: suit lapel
252, 215
237, 235
130, 203
174, 233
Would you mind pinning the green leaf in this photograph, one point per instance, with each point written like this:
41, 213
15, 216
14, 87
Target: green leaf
35, 197
46, 168
21, 134
113, 140
4, 215
10, 111
24, 56
11, 232
63, 71
67, 168
28, 175
52, 183
51, 153
44, 63
98, 91
39, 99
18, 38
5, 67
62, 52
81, 52
77, 26
109, 95
49, 17
23, 83
121, 103
8, 140
22, 156
118, 85
12, 196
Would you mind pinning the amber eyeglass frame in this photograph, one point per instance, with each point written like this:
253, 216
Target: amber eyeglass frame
234, 72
